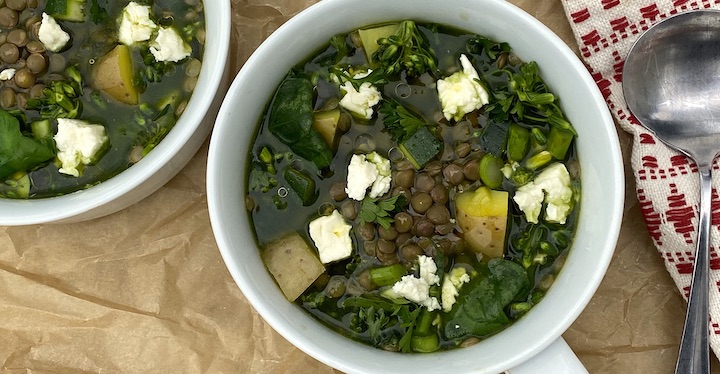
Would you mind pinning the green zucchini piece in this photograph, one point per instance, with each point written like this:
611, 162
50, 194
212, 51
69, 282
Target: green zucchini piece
66, 10
421, 147
302, 184
326, 123
494, 137
369, 38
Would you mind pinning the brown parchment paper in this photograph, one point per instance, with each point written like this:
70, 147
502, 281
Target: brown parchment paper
145, 290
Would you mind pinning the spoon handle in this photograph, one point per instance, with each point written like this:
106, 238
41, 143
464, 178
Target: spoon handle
694, 352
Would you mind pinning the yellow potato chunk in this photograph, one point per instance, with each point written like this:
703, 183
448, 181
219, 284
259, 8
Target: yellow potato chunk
114, 75
482, 216
293, 264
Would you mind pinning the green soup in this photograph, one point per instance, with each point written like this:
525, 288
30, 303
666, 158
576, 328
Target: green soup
471, 205
133, 129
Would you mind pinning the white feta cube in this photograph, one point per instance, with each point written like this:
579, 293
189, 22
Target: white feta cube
368, 171
331, 235
51, 35
7, 74
135, 24
461, 93
78, 143
169, 46
361, 101
553, 187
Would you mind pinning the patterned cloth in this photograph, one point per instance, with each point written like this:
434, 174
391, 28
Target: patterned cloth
668, 184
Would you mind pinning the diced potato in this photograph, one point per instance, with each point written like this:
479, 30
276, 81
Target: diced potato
326, 123
114, 75
369, 38
482, 215
293, 264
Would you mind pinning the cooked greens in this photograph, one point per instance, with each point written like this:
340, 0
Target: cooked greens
459, 222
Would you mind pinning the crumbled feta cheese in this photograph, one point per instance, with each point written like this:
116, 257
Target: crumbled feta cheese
135, 25
360, 101
78, 143
417, 290
51, 35
552, 186
7, 74
169, 46
451, 287
368, 171
331, 235
461, 93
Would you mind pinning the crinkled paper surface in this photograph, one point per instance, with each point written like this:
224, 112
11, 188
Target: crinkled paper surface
145, 289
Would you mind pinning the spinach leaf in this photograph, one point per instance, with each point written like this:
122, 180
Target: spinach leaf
98, 14
291, 119
480, 312
18, 152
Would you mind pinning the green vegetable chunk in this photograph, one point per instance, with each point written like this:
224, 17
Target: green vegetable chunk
387, 275
302, 184
480, 311
518, 143
421, 147
291, 121
558, 142
67, 10
18, 152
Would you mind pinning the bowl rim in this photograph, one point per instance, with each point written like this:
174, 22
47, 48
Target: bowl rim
16, 212
254, 295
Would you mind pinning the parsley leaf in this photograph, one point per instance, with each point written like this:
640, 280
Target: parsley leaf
400, 122
379, 211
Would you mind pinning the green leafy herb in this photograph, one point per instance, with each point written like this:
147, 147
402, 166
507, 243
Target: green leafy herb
480, 312
400, 122
492, 48
291, 119
18, 152
98, 14
376, 77
404, 315
376, 322
408, 50
378, 211
527, 99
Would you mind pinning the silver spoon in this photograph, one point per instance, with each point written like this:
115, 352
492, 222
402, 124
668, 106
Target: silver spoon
671, 82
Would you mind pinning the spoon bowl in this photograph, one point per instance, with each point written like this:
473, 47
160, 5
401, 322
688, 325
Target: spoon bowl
671, 83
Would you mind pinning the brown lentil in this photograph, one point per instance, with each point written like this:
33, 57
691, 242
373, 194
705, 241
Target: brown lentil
8, 18
7, 98
439, 194
367, 231
404, 178
387, 234
337, 191
438, 214
349, 209
424, 182
36, 63
19, 37
410, 252
423, 227
421, 202
24, 78
18, 5
9, 53
470, 170
403, 238
403, 222
453, 174
364, 280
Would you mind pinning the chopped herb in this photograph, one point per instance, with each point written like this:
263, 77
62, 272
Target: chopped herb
378, 211
400, 122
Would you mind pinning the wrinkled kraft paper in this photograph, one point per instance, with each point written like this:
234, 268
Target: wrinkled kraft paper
145, 290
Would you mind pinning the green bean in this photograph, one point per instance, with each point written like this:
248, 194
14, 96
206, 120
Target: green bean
518, 143
425, 344
387, 275
539, 160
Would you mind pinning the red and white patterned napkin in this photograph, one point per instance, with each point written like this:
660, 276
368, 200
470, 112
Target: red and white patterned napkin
667, 182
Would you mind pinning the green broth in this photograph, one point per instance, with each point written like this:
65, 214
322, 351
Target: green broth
448, 44
90, 41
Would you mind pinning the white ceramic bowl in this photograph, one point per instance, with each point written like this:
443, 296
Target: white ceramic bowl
160, 165
599, 155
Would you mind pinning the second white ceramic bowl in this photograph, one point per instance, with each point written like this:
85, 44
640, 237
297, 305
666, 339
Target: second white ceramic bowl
160, 165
